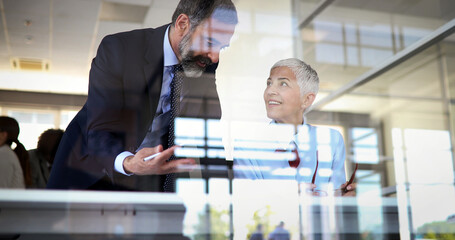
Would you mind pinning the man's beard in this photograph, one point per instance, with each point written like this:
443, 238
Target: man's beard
189, 61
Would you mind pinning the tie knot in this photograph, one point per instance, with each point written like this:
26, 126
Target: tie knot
177, 68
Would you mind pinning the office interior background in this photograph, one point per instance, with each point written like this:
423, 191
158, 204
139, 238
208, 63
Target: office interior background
387, 83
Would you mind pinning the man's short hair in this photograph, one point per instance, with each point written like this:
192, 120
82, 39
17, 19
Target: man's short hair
307, 77
200, 10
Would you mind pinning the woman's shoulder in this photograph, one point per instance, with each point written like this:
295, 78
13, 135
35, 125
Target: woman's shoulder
8, 154
323, 128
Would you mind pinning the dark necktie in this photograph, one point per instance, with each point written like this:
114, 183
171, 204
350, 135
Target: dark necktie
176, 87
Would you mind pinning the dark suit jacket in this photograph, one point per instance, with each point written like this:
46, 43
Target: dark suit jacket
124, 90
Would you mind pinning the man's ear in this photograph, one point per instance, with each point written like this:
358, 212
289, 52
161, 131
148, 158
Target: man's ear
308, 100
182, 25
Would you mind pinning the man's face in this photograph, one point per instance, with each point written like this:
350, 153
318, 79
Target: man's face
201, 46
282, 97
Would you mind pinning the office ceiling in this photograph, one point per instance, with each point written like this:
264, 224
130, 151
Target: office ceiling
62, 36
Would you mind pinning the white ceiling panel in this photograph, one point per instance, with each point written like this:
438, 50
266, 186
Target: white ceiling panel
170, 4
61, 65
31, 52
26, 7
4, 62
70, 58
16, 22
72, 42
77, 9
3, 46
134, 2
19, 39
39, 41
158, 17
108, 27
68, 25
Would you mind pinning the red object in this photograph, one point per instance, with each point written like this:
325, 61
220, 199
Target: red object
315, 170
351, 180
292, 163
295, 163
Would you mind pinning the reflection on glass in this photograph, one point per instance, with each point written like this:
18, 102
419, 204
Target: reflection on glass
413, 34
199, 138
371, 57
329, 53
328, 31
266, 202
193, 192
32, 124
66, 117
376, 35
275, 151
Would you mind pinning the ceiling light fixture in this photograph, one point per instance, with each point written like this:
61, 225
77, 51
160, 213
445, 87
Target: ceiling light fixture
28, 22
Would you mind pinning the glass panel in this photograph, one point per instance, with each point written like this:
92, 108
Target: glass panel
399, 126
31, 125
348, 38
66, 117
267, 206
220, 205
410, 102
193, 191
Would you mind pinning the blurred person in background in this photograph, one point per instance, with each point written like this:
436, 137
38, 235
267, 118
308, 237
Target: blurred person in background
258, 234
14, 164
279, 233
42, 157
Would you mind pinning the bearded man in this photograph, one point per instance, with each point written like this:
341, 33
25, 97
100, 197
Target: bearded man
133, 99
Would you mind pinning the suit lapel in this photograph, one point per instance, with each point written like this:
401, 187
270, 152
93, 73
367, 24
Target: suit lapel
153, 68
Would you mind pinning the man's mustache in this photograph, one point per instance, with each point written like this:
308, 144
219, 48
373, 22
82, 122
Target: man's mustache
199, 58
204, 60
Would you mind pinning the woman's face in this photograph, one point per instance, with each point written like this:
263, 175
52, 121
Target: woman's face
282, 97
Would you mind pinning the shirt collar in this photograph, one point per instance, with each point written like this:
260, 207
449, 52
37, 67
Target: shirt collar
169, 55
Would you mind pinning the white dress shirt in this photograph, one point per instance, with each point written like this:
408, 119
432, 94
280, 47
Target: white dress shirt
322, 143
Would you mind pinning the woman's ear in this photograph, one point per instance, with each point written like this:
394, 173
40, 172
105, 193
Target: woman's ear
308, 100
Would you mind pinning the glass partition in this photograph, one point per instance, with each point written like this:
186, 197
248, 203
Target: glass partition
384, 114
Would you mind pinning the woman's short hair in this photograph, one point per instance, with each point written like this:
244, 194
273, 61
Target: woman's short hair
307, 77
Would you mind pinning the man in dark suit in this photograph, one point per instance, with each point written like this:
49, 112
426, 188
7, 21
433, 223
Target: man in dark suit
126, 116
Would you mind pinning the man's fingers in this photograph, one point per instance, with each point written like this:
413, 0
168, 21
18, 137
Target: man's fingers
145, 152
166, 154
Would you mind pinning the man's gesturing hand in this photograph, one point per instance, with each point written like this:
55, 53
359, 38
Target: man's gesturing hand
158, 165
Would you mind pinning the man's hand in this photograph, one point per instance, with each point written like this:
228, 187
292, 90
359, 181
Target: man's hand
158, 165
346, 190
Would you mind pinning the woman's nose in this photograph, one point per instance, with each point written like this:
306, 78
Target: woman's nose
271, 90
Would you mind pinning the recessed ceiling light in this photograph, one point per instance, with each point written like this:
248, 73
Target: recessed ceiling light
27, 22
28, 39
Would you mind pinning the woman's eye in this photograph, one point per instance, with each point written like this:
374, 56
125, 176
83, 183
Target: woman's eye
284, 84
